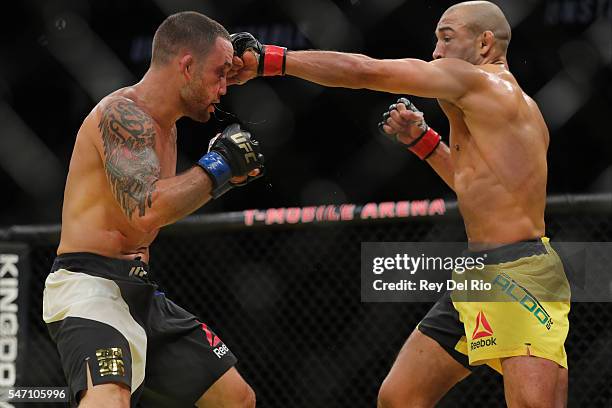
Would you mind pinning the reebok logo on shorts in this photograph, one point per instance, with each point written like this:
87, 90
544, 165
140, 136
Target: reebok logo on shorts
482, 329
214, 341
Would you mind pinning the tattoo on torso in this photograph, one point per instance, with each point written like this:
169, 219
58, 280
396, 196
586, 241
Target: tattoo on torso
130, 160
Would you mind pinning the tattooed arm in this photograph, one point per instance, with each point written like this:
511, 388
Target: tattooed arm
133, 170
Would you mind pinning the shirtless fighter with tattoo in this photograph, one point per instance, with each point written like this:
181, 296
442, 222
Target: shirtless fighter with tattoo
118, 337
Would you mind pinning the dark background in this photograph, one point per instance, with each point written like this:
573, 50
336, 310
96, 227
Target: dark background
286, 300
60, 57
306, 341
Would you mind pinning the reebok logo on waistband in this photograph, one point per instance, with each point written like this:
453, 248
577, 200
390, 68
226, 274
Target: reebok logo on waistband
138, 271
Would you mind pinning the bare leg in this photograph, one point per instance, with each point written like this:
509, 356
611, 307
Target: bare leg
533, 382
229, 391
422, 373
562, 386
104, 395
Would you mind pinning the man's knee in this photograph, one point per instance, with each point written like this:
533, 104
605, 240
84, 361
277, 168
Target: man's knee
243, 398
532, 401
236, 395
387, 398
535, 397
390, 396
249, 398
110, 394
531, 382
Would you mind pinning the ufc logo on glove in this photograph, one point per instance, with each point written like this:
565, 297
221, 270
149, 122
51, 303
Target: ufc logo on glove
242, 142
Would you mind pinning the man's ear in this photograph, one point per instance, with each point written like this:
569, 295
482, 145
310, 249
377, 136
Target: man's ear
186, 65
486, 43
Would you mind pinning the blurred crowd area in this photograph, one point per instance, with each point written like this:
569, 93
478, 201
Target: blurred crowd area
321, 144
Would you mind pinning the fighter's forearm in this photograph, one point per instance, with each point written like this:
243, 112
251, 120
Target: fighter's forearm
448, 80
174, 198
440, 161
329, 68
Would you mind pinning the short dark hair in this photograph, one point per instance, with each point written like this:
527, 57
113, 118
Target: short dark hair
187, 29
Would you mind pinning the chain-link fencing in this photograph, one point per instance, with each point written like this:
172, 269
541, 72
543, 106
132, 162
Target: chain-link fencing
286, 299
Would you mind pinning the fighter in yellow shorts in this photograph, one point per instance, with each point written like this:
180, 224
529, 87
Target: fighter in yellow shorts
496, 164
524, 313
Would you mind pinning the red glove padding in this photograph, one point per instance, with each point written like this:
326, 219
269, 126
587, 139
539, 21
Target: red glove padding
273, 61
424, 145
272, 58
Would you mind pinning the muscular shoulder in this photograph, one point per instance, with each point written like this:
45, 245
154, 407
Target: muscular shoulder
121, 120
128, 136
127, 108
460, 69
456, 79
498, 94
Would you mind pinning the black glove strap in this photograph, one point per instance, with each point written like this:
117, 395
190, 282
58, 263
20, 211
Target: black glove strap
415, 141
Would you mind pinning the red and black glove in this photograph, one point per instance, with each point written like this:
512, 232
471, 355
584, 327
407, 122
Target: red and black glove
272, 58
423, 145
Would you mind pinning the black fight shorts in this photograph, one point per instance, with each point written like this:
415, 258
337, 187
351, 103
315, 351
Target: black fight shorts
106, 314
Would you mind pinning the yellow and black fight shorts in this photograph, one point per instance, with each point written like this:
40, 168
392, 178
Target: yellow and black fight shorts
524, 313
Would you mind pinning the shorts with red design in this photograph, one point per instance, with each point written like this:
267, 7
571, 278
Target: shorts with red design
524, 314
108, 317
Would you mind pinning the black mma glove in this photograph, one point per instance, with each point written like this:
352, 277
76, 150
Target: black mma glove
425, 144
272, 58
231, 153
